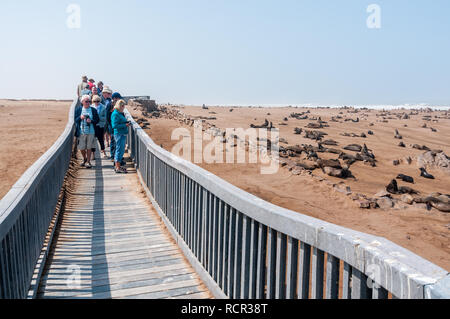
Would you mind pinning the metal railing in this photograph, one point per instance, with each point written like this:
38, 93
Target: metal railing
245, 247
26, 212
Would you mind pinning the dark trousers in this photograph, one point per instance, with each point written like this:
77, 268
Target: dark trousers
100, 135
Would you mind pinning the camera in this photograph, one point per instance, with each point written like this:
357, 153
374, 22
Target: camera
86, 117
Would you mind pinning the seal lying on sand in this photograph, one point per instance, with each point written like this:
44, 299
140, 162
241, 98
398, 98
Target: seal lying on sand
335, 172
329, 142
405, 178
334, 163
393, 188
265, 125
315, 135
298, 131
353, 147
425, 174
441, 203
422, 148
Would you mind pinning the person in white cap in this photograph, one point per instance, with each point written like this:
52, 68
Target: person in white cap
106, 101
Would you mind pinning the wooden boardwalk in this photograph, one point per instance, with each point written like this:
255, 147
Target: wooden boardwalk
112, 244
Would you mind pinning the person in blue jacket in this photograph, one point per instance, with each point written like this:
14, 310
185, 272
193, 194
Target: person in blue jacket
120, 126
109, 110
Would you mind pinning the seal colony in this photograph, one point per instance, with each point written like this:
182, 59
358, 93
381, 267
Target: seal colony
337, 163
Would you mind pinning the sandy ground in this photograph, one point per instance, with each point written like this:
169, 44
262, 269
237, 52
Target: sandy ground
27, 130
425, 232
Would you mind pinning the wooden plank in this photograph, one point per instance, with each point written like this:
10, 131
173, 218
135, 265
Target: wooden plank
197, 295
83, 258
170, 293
109, 250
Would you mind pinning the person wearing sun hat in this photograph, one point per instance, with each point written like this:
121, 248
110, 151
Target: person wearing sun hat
108, 92
106, 101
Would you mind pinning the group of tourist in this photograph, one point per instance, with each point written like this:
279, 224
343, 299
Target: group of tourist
100, 117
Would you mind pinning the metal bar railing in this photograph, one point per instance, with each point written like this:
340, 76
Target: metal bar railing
245, 247
26, 212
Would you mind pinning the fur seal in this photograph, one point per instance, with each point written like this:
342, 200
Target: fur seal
425, 174
405, 178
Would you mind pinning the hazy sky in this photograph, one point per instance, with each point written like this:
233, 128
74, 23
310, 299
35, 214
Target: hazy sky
230, 51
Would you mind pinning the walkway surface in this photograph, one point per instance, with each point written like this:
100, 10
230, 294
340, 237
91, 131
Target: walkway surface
111, 243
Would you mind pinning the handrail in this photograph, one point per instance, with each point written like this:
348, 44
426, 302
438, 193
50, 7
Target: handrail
26, 212
251, 248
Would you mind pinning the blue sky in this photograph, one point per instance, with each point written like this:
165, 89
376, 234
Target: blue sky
230, 51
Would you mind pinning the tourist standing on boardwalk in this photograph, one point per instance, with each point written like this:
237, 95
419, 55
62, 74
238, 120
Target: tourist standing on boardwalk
94, 91
120, 127
86, 117
81, 86
85, 90
115, 97
100, 127
106, 101
91, 83
99, 88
